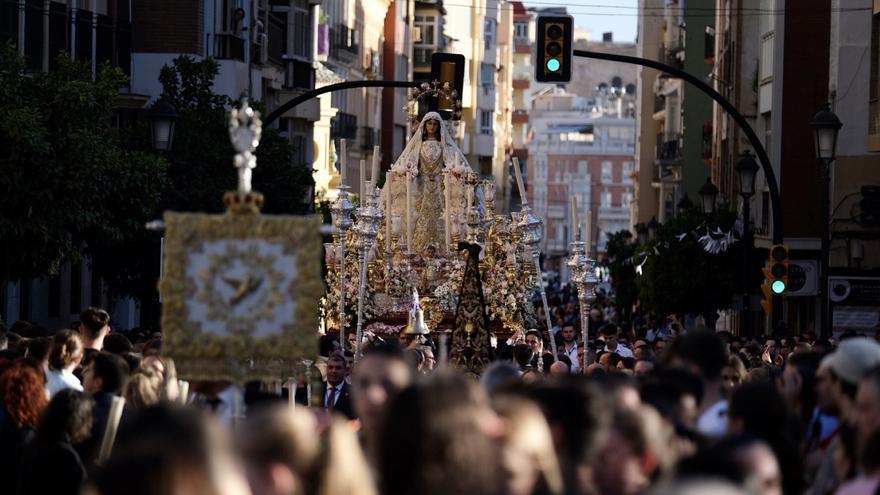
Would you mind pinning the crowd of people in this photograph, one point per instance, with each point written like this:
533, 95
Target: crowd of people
662, 406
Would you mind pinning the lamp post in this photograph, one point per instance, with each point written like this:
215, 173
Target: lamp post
163, 117
708, 193
825, 126
746, 168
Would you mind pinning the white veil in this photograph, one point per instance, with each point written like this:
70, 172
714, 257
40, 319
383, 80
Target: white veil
453, 159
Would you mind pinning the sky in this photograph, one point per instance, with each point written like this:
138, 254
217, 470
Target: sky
600, 16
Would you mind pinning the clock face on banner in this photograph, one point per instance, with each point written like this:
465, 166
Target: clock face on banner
240, 294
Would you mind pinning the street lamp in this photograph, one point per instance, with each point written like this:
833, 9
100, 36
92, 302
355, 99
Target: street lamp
825, 126
685, 203
162, 117
708, 193
746, 168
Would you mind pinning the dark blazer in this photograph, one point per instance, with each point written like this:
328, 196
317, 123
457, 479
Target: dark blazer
343, 403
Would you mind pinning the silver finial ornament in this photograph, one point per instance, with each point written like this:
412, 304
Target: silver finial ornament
245, 130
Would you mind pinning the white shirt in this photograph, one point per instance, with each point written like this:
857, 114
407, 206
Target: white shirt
713, 422
621, 350
338, 389
573, 356
58, 380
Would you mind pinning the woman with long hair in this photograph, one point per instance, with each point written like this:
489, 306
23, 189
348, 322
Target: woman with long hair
22, 401
441, 437
64, 356
50, 463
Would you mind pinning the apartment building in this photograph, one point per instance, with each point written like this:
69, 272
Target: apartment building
579, 149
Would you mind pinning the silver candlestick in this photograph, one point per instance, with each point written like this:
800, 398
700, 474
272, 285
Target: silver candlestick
366, 229
529, 228
586, 282
340, 212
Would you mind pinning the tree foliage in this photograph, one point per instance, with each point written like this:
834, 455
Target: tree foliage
68, 186
620, 250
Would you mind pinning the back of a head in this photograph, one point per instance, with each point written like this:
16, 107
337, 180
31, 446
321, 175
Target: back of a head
578, 410
143, 389
522, 354
433, 442
116, 343
498, 375
170, 449
112, 370
67, 419
66, 349
93, 321
761, 408
704, 350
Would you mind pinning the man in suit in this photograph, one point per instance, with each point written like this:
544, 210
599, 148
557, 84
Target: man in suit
335, 392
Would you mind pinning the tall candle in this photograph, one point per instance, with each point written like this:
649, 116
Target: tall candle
387, 216
447, 218
574, 217
374, 172
519, 181
470, 195
342, 160
362, 178
408, 213
588, 233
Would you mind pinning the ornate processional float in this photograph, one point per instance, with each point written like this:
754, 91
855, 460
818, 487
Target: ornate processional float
415, 234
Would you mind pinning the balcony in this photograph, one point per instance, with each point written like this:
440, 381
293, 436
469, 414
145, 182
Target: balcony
298, 75
669, 56
343, 126
659, 103
668, 147
343, 43
228, 47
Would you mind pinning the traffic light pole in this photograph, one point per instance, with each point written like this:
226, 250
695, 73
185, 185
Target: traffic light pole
308, 95
760, 152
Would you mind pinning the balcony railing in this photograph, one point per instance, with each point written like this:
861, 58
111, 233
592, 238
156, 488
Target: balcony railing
343, 42
668, 147
343, 126
229, 47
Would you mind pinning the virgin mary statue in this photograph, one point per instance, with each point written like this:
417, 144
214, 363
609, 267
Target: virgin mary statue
431, 162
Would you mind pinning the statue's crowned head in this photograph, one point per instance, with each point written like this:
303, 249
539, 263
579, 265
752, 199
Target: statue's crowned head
431, 126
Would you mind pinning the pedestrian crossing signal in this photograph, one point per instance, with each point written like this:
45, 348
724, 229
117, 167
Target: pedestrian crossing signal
553, 51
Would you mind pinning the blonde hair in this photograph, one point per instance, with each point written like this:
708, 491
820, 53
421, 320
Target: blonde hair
67, 349
143, 389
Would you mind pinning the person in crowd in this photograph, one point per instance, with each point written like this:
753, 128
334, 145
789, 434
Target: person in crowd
116, 343
743, 459
143, 389
336, 393
759, 409
797, 383
499, 376
527, 451
559, 369
22, 401
429, 360
522, 357
643, 367
104, 379
377, 379
165, 368
51, 464
443, 430
570, 347
38, 350
867, 480
170, 449
703, 352
284, 454
733, 374
534, 340
846, 366
64, 356
610, 334
94, 326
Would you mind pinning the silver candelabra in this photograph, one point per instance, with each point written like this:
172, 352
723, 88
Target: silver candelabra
584, 278
340, 212
366, 229
529, 228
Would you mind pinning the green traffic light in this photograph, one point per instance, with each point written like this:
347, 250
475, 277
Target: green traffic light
553, 64
778, 286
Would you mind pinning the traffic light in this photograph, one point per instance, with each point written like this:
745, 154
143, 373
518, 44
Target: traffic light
778, 269
554, 48
447, 68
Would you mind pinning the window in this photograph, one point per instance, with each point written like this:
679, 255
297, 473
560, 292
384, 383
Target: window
605, 199
521, 32
425, 30
627, 172
489, 33
607, 172
874, 82
486, 122
487, 75
766, 57
626, 199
